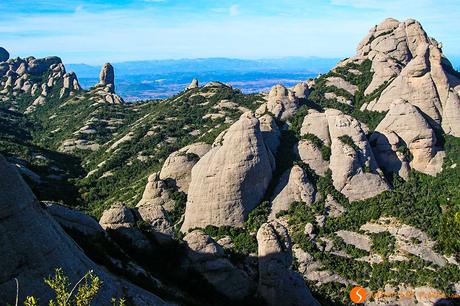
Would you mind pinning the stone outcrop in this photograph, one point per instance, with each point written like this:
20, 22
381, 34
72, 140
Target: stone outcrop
231, 179
37, 78
271, 135
293, 186
310, 154
194, 84
341, 84
207, 257
156, 193
4, 55
72, 220
105, 89
70, 85
405, 128
415, 69
134, 227
301, 90
34, 245
178, 166
278, 285
355, 172
107, 77
282, 102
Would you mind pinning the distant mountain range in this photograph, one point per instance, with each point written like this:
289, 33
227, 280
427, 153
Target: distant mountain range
141, 80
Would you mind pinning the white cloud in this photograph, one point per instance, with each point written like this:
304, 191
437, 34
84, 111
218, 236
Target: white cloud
234, 10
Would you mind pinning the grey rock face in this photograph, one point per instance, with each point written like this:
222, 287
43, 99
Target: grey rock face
207, 257
355, 172
413, 64
294, 186
301, 90
107, 77
33, 245
278, 285
193, 84
282, 102
4, 55
178, 166
75, 221
41, 65
231, 179
156, 193
405, 126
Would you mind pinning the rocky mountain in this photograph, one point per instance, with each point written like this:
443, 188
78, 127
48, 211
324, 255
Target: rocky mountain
216, 197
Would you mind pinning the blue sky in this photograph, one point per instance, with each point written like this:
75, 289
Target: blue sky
83, 31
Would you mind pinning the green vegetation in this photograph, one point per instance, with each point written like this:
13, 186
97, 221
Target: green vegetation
81, 294
244, 243
383, 244
345, 139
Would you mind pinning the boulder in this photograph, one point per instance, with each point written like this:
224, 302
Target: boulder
156, 193
282, 102
41, 65
404, 126
293, 186
4, 55
355, 172
301, 90
270, 133
341, 84
278, 285
120, 223
117, 216
107, 77
193, 84
206, 256
34, 245
415, 69
315, 123
178, 166
75, 221
311, 155
231, 179
157, 224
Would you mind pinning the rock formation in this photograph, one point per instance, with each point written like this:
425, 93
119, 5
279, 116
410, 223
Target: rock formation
355, 172
156, 193
31, 236
310, 154
123, 224
193, 84
107, 77
415, 69
75, 221
282, 102
70, 85
278, 285
105, 89
231, 179
207, 257
4, 55
405, 127
36, 78
293, 187
301, 90
178, 166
